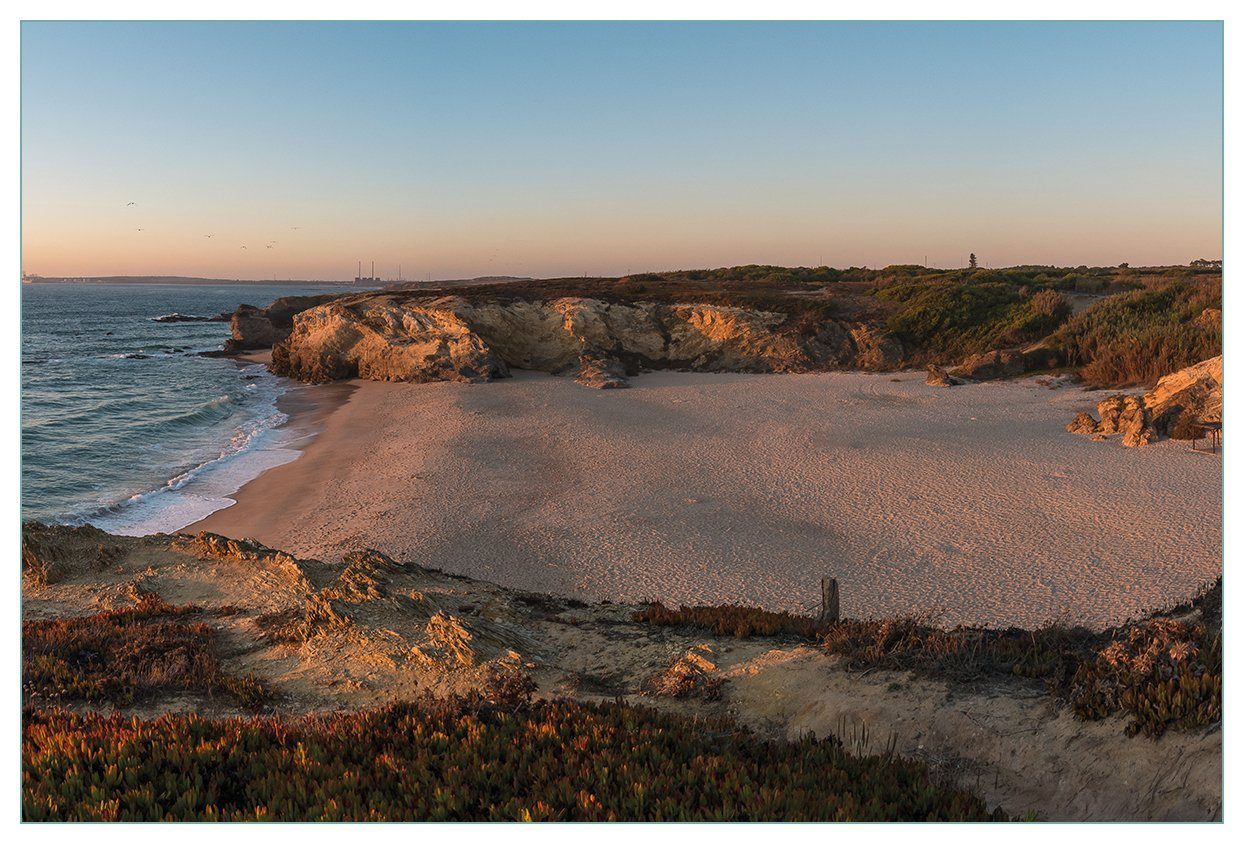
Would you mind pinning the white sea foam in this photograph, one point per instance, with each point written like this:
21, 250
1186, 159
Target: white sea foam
252, 448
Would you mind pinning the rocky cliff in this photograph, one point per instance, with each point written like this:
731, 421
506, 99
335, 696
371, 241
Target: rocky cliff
397, 337
260, 328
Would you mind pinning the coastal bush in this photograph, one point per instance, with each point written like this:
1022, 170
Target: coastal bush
1137, 337
734, 620
1165, 671
128, 655
952, 319
458, 760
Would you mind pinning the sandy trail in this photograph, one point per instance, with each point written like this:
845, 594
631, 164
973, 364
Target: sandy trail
972, 504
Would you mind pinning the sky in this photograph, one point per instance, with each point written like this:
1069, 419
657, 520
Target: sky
457, 150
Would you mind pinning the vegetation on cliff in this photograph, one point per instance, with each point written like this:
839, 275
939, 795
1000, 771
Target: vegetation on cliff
1146, 323
462, 759
141, 653
1138, 337
1164, 672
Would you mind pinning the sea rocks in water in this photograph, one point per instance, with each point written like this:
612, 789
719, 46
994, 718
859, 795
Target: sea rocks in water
601, 373
408, 337
1179, 406
179, 317
938, 377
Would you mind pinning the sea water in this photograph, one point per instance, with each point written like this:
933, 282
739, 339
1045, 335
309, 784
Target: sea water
124, 425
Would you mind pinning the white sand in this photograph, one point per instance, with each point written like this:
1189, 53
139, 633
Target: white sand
970, 503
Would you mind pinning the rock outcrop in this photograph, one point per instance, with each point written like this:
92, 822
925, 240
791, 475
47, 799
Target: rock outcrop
1192, 395
262, 328
400, 337
1179, 406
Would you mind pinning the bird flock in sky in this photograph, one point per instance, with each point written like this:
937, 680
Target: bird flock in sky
271, 244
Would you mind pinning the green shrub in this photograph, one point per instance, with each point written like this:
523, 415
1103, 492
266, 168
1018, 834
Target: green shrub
952, 319
459, 760
1137, 337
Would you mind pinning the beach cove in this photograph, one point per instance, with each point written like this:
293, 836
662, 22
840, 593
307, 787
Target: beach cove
737, 488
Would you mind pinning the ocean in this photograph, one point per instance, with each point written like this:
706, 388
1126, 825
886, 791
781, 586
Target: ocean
124, 426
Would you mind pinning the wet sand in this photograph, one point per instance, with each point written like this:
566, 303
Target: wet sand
968, 505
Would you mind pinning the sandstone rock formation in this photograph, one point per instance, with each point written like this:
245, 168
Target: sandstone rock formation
1083, 423
1191, 394
403, 337
1179, 406
261, 328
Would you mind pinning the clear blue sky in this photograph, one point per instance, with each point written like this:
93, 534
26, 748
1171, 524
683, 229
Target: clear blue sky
548, 149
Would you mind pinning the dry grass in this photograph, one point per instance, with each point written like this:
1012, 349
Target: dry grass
149, 651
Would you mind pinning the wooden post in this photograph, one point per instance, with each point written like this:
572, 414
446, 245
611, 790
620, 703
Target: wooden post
829, 600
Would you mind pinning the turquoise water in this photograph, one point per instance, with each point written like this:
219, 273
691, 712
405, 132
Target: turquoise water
123, 425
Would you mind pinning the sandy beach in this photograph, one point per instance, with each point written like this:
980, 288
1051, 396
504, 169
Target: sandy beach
970, 505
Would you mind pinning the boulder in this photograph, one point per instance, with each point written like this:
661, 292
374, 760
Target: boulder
601, 373
1083, 424
938, 377
1185, 400
1121, 414
874, 349
1179, 406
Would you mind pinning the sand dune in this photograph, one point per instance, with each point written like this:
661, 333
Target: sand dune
972, 504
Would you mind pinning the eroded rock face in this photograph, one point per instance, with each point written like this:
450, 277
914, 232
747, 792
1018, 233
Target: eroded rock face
1178, 406
261, 328
1005, 363
400, 338
1184, 400
374, 340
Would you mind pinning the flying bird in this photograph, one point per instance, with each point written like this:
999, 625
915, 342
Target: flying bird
243, 247
207, 235
140, 229
128, 204
269, 246
294, 228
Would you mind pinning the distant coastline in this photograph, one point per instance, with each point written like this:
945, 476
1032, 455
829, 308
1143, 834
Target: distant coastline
174, 279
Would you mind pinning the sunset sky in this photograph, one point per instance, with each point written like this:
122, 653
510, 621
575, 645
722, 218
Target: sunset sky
538, 149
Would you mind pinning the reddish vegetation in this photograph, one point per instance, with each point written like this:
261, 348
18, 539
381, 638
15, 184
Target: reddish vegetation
122, 656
